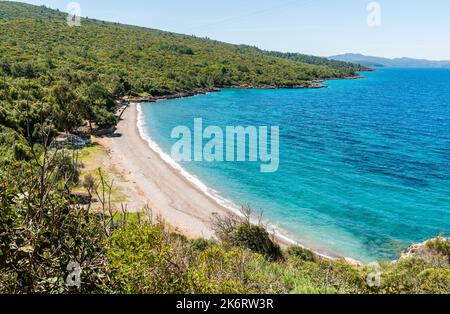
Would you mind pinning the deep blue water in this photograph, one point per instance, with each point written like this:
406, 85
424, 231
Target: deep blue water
364, 165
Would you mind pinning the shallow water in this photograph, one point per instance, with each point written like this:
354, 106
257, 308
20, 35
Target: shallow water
364, 164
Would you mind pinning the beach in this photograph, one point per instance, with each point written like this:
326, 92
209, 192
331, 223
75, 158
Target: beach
184, 206
169, 195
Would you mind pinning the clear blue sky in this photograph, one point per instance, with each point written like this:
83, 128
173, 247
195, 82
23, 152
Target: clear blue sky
412, 28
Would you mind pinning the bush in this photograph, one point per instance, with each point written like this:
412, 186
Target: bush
435, 281
143, 262
38, 239
257, 239
333, 276
222, 270
441, 246
201, 244
301, 253
402, 277
239, 231
65, 168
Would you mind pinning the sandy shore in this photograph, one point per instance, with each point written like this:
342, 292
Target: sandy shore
155, 183
169, 194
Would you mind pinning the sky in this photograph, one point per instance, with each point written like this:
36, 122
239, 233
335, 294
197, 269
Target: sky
386, 28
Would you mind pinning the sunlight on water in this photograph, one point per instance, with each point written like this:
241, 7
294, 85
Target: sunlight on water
364, 165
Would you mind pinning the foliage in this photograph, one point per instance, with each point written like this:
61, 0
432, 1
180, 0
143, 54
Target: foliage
201, 244
326, 276
41, 232
132, 60
144, 260
147, 259
239, 231
12, 146
257, 239
413, 275
301, 253
343, 67
440, 246
435, 281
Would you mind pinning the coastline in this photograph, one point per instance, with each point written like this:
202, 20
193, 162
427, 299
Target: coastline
317, 84
179, 198
168, 194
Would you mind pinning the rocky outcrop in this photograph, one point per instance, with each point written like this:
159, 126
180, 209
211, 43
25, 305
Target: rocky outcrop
195, 92
217, 89
304, 86
436, 249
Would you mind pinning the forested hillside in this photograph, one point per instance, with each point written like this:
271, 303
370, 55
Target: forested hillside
75, 73
135, 60
335, 64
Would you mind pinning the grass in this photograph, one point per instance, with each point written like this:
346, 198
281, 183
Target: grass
91, 158
92, 155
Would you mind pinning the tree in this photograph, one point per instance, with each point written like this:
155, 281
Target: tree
67, 110
97, 105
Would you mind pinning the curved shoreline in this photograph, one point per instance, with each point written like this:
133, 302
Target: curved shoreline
188, 176
183, 200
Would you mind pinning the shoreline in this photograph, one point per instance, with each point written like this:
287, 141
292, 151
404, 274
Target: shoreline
180, 198
317, 84
168, 194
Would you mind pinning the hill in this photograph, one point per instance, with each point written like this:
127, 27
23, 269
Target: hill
134, 60
79, 71
337, 64
370, 61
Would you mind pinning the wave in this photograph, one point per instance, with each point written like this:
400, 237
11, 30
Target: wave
141, 123
209, 192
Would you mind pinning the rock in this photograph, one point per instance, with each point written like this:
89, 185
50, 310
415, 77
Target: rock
423, 250
200, 91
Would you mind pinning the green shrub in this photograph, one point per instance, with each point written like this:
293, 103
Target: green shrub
143, 261
222, 270
435, 281
402, 276
257, 239
441, 246
38, 239
201, 244
227, 269
301, 253
241, 232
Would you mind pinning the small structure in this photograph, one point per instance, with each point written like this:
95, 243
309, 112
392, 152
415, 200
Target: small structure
83, 132
69, 140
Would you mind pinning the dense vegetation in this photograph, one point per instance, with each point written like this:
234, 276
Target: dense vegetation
75, 73
135, 60
345, 67
43, 228
54, 78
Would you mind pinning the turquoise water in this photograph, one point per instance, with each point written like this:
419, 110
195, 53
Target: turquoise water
364, 165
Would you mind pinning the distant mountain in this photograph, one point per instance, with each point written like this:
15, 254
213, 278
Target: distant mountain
370, 61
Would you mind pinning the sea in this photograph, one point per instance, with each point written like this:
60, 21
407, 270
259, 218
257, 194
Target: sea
364, 165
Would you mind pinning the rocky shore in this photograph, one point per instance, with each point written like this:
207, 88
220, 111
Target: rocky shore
202, 91
192, 93
304, 86
429, 250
